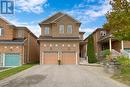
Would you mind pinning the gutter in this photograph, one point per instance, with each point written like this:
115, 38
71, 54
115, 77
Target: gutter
61, 39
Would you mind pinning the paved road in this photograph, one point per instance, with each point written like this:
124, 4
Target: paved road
61, 76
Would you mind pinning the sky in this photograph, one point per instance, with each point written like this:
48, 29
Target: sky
91, 13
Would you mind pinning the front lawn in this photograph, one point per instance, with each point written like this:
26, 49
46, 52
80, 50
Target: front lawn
12, 71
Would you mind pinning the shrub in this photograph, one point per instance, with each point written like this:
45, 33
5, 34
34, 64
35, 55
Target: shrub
125, 64
125, 61
90, 51
106, 53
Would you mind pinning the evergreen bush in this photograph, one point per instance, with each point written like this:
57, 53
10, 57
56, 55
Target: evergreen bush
90, 50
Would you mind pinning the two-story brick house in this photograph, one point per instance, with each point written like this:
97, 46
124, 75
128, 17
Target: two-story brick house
104, 40
18, 45
60, 39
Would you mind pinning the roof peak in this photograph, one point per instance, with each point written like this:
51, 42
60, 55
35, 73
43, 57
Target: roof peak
55, 17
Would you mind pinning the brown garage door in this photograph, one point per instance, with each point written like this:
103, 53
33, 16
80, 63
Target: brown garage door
68, 58
50, 57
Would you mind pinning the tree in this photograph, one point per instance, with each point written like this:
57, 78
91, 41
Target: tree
118, 20
90, 50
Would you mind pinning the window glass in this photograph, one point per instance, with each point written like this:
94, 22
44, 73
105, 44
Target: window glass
20, 33
46, 30
61, 29
69, 28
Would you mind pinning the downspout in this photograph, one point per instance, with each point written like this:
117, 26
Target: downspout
28, 48
23, 52
23, 62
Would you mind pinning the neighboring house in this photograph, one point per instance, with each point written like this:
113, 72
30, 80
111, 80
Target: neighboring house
18, 45
60, 40
104, 40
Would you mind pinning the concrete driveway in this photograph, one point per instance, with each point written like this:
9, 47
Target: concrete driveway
61, 76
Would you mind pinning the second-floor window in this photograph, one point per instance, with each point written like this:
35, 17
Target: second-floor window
46, 30
103, 33
69, 28
20, 34
1, 31
61, 29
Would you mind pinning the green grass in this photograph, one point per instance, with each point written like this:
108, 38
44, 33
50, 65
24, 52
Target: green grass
123, 77
12, 71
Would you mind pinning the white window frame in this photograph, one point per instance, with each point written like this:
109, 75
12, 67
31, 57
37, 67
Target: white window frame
47, 30
61, 29
69, 26
1, 33
103, 33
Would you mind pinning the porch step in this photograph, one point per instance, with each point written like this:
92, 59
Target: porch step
83, 62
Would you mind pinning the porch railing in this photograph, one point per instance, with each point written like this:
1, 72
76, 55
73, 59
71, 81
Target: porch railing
125, 53
114, 53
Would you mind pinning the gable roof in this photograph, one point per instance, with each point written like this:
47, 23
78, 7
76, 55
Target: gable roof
18, 27
26, 29
98, 29
51, 18
57, 16
1, 18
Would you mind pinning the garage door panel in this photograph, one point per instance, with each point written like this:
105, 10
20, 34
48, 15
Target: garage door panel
68, 58
50, 57
12, 59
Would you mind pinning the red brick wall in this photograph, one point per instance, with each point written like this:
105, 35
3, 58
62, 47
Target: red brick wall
8, 31
116, 45
126, 44
8, 48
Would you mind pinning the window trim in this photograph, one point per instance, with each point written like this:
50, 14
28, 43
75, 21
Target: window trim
71, 28
20, 33
103, 33
48, 30
2, 32
60, 29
